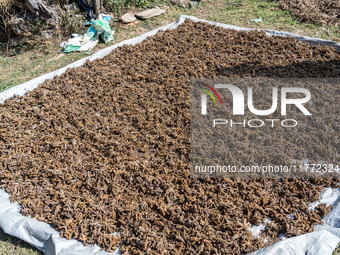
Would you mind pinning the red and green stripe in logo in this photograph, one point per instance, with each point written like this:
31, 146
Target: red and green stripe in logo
206, 89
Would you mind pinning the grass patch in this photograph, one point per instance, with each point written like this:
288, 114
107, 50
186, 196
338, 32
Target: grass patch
5, 85
14, 246
119, 6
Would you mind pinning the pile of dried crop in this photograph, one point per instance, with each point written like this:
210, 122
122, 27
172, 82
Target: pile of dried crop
326, 12
104, 148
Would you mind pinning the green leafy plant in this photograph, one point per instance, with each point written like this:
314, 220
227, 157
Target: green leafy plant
73, 22
119, 6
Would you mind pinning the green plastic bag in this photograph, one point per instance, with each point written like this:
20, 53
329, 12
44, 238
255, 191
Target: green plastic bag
102, 26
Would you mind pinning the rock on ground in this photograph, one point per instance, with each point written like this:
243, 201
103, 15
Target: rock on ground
147, 14
183, 3
128, 18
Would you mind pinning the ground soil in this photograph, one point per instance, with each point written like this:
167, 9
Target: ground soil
105, 147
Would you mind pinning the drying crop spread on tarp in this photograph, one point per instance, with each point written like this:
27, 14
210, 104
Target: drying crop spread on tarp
104, 148
325, 12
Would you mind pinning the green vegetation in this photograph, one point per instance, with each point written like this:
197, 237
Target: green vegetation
5, 85
120, 6
13, 246
73, 21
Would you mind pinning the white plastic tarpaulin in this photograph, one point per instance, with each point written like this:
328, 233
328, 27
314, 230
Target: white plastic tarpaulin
41, 235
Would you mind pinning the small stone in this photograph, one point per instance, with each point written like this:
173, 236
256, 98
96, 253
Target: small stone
147, 14
128, 18
182, 3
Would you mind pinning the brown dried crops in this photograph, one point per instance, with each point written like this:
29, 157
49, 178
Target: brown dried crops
105, 147
325, 12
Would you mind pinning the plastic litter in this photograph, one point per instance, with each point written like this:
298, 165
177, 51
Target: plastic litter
79, 43
255, 20
99, 28
102, 26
